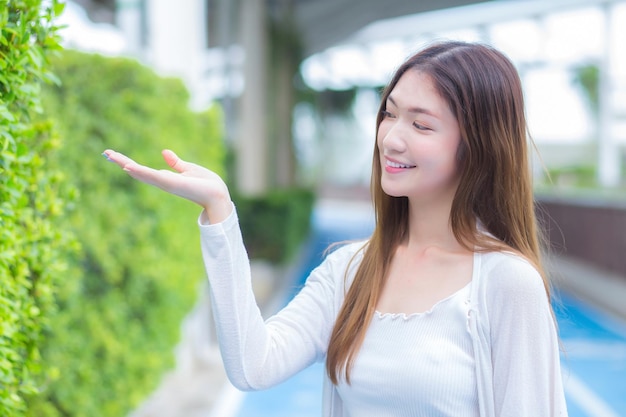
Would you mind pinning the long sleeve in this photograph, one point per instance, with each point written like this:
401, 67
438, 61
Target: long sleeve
524, 342
260, 354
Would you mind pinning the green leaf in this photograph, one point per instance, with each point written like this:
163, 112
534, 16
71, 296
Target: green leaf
58, 8
6, 114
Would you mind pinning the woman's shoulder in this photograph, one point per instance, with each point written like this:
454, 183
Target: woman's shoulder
504, 260
508, 271
346, 251
343, 257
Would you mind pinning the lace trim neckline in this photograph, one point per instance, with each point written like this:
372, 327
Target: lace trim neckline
407, 316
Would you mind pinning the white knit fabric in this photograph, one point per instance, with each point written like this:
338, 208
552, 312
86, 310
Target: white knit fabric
498, 349
415, 365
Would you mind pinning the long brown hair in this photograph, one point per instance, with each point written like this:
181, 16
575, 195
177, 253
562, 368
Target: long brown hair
483, 90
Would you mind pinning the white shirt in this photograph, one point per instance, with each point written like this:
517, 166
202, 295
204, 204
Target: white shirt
420, 364
512, 332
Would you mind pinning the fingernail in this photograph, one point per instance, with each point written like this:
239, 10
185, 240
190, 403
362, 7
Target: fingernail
107, 157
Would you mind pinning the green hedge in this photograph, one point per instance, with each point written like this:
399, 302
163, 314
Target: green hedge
32, 248
274, 225
139, 267
575, 176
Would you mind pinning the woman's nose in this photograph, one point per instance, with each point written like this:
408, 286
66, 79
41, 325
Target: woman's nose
394, 138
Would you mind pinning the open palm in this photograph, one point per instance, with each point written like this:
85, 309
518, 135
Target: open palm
190, 181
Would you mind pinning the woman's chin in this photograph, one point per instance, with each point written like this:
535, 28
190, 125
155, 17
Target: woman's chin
392, 192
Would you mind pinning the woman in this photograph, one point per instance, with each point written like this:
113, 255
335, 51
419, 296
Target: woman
444, 310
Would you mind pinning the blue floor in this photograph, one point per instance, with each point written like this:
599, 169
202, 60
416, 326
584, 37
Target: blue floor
594, 359
594, 345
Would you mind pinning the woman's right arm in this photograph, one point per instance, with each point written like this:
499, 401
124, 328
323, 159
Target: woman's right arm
260, 354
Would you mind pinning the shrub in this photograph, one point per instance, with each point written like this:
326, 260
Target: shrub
274, 225
575, 176
31, 197
140, 265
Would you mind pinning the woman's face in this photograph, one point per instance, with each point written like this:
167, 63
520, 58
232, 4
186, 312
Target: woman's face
418, 140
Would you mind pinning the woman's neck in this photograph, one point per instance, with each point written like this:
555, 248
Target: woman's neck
429, 226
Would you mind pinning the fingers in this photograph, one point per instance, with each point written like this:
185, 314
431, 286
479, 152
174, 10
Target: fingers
163, 179
129, 165
135, 170
190, 181
174, 161
120, 159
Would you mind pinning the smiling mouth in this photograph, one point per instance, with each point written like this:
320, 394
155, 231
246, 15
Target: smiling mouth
397, 165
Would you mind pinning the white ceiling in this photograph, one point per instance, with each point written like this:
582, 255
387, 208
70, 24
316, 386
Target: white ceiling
324, 23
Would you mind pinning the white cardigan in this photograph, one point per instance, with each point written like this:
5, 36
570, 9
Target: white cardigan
514, 337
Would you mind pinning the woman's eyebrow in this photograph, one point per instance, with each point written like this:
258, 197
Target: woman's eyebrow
417, 110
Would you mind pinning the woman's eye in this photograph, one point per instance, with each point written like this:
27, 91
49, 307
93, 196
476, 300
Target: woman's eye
420, 127
386, 114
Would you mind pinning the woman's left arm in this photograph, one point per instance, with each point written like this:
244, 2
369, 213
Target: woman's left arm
524, 343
